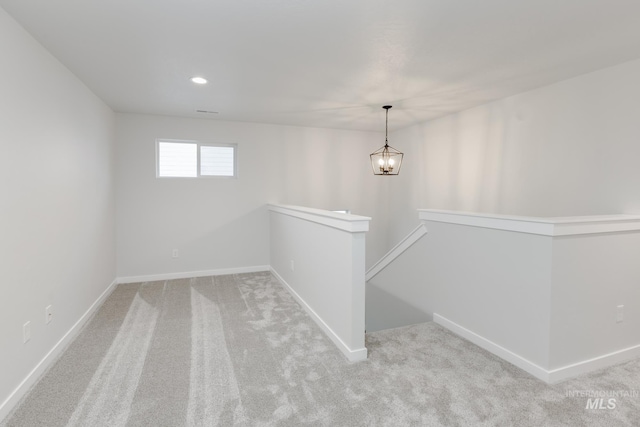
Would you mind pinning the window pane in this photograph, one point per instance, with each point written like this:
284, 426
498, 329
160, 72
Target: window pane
177, 159
217, 161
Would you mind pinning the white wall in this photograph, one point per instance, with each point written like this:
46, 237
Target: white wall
319, 257
561, 150
592, 275
496, 283
57, 205
223, 223
540, 292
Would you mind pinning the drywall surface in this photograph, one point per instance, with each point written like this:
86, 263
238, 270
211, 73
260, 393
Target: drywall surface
319, 257
222, 223
555, 296
565, 149
592, 276
492, 282
58, 213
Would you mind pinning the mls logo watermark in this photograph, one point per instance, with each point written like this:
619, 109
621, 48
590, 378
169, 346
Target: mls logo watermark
601, 403
603, 399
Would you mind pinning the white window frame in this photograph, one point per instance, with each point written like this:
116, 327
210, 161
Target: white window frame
198, 144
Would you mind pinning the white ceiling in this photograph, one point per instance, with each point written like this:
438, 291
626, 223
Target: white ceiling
327, 63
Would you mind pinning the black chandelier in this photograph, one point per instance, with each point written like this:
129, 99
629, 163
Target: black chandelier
386, 160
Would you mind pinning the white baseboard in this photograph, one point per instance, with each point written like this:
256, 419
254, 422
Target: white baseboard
14, 398
352, 355
189, 274
549, 376
494, 348
590, 365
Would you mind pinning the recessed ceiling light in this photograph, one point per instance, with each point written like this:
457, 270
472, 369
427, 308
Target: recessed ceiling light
199, 80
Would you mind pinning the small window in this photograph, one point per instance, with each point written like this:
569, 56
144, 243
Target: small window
190, 159
217, 160
177, 159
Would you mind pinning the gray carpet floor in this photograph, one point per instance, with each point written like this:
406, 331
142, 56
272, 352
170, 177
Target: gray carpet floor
238, 350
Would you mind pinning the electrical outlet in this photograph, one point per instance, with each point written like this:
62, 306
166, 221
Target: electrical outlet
175, 254
293, 266
619, 313
26, 332
48, 314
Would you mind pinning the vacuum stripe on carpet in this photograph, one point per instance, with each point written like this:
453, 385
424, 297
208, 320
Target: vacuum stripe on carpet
212, 381
107, 399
